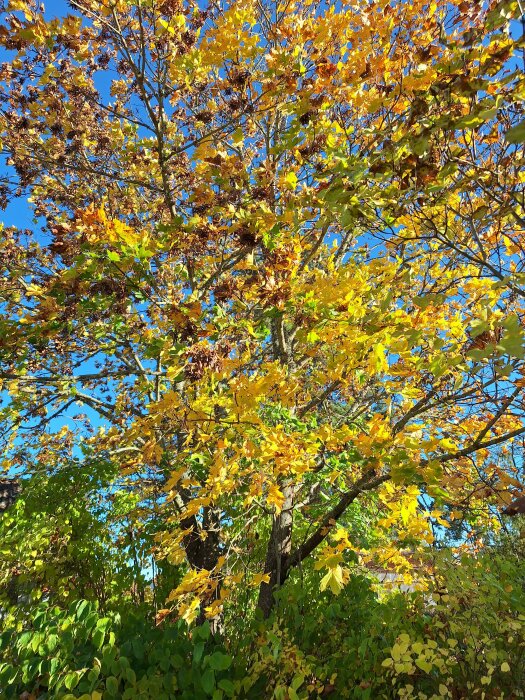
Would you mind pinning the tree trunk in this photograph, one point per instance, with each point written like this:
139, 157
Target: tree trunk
204, 554
280, 542
277, 553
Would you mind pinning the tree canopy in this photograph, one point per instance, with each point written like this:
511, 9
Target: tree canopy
275, 284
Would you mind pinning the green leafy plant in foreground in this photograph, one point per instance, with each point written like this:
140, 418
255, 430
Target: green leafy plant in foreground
462, 638
78, 653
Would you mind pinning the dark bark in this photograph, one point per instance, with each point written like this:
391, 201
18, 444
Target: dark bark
280, 542
203, 553
278, 550
12, 590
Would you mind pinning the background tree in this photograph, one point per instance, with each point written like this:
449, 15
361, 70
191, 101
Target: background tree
68, 537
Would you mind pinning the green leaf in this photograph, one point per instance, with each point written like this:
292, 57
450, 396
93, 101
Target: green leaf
98, 638
420, 146
93, 675
177, 661
297, 682
112, 685
516, 134
35, 642
203, 632
480, 354
489, 113
219, 661
8, 674
470, 121
130, 676
71, 680
513, 343
82, 607
103, 623
227, 686
198, 651
52, 642
208, 681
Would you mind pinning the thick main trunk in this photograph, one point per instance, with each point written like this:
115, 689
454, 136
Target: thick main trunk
203, 553
277, 553
280, 542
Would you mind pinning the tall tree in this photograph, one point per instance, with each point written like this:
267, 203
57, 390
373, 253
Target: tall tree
278, 260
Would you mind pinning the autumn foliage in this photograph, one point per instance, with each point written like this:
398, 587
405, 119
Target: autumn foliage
275, 284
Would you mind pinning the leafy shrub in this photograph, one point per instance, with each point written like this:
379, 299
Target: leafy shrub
325, 646
463, 638
80, 654
473, 643
62, 539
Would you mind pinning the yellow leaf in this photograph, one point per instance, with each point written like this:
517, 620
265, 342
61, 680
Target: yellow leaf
333, 580
291, 180
423, 664
312, 336
380, 363
330, 560
275, 497
190, 611
505, 667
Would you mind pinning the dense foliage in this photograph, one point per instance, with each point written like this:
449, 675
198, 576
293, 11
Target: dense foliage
264, 336
463, 638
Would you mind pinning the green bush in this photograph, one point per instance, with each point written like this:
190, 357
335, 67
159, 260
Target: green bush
77, 653
318, 645
473, 642
463, 638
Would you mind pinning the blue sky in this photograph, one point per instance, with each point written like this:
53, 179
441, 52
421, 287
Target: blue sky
19, 213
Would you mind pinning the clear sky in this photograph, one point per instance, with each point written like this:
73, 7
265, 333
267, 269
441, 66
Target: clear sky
19, 212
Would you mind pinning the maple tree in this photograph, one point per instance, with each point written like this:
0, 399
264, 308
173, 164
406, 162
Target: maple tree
278, 259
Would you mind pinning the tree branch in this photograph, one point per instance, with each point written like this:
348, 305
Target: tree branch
366, 483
